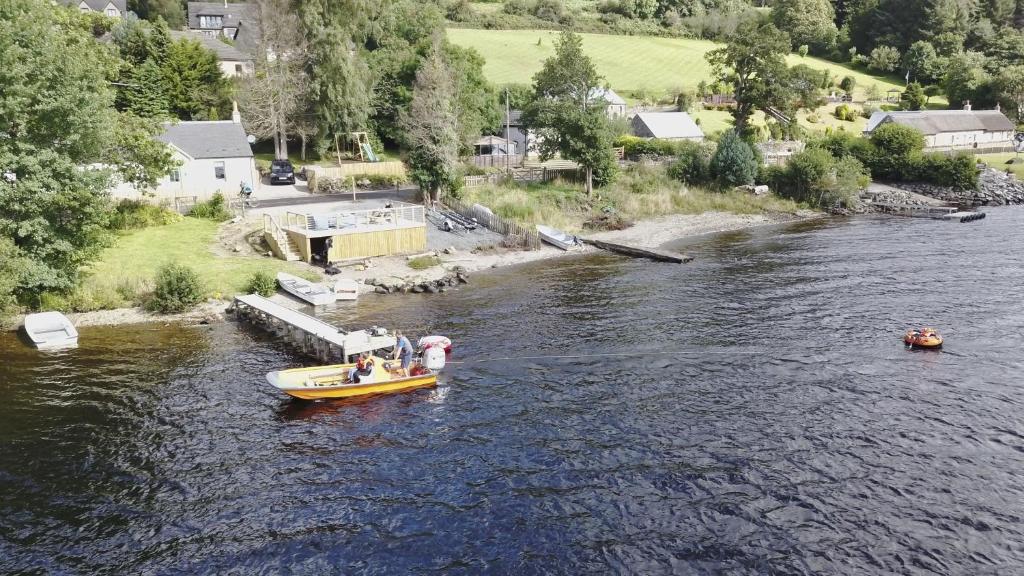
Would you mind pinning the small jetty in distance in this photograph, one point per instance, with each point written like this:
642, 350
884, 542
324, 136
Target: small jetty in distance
926, 211
638, 252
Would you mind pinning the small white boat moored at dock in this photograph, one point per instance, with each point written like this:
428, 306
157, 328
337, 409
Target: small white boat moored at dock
346, 289
315, 294
557, 238
51, 330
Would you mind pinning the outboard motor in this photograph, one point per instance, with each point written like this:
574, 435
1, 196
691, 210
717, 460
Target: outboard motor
434, 358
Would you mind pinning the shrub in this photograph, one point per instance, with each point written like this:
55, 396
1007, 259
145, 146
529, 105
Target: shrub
177, 289
813, 118
868, 110
958, 171
895, 149
460, 11
816, 177
734, 162
847, 84
213, 209
550, 10
884, 59
516, 7
136, 214
424, 262
693, 165
843, 112
913, 98
262, 283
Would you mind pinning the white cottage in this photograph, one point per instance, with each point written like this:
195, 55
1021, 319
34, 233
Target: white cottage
965, 129
215, 157
109, 8
615, 106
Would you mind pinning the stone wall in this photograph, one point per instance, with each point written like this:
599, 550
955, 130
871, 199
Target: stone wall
995, 188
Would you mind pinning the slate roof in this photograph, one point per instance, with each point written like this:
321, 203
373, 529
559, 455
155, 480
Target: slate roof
931, 122
223, 50
99, 5
241, 15
670, 124
208, 139
608, 95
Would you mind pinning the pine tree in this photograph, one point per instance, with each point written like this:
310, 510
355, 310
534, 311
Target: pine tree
734, 163
142, 92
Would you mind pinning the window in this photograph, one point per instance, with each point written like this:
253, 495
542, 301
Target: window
112, 12
211, 21
176, 175
218, 171
239, 69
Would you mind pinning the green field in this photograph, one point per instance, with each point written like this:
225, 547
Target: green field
627, 62
998, 162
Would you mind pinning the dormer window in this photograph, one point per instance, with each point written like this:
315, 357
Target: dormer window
211, 21
112, 12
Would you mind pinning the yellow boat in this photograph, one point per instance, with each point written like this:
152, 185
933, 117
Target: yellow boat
324, 382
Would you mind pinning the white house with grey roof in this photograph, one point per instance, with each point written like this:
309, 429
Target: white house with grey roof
233, 62
615, 106
110, 8
666, 126
965, 129
214, 157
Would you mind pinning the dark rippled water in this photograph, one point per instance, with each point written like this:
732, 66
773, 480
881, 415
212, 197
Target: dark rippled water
789, 432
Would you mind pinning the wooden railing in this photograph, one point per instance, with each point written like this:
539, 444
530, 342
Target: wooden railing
515, 233
399, 213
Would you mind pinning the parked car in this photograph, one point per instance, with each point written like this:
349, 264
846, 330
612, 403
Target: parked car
282, 172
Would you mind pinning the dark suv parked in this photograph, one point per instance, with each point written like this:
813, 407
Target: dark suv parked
282, 172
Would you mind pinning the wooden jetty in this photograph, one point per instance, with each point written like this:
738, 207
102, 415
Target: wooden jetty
924, 211
637, 252
312, 336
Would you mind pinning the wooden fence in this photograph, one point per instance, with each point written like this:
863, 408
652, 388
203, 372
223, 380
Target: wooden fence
495, 161
347, 170
478, 181
515, 234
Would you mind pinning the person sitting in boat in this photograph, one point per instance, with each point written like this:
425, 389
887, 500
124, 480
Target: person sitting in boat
403, 350
363, 368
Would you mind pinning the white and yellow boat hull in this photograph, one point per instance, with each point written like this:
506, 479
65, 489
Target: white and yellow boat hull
326, 382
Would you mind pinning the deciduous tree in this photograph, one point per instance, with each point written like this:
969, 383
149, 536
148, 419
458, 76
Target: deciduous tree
809, 22
568, 118
753, 63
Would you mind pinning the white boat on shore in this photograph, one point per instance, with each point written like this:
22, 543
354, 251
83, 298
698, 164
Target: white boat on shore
557, 238
346, 289
315, 294
51, 330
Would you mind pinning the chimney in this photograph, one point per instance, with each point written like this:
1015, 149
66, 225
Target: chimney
235, 116
967, 106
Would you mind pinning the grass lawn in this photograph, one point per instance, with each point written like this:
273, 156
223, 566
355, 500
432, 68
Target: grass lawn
129, 266
998, 162
627, 62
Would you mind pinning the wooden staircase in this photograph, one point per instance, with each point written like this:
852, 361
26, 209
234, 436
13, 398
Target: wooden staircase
283, 246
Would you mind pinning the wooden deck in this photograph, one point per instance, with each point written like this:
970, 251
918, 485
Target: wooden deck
312, 336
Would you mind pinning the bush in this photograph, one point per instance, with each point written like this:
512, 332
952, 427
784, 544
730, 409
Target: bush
734, 162
261, 283
868, 110
693, 165
843, 112
895, 147
960, 171
816, 177
177, 289
516, 7
813, 118
550, 10
460, 11
847, 84
884, 59
137, 214
213, 209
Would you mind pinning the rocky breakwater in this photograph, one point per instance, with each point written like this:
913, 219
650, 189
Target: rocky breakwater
995, 188
455, 276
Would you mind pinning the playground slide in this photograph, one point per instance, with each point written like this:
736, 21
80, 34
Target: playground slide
368, 153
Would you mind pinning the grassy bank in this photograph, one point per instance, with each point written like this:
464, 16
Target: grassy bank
123, 276
639, 193
627, 62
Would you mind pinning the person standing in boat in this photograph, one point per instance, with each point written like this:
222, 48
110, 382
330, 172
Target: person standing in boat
403, 350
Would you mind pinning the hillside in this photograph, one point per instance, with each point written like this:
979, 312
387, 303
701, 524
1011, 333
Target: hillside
627, 62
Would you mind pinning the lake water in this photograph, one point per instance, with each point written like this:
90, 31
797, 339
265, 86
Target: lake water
778, 425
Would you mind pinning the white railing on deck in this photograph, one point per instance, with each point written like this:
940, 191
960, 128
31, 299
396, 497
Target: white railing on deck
399, 214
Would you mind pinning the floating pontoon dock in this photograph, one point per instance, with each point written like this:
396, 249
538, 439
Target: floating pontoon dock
637, 252
313, 336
